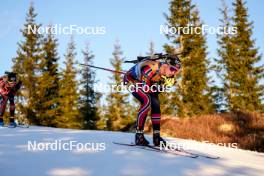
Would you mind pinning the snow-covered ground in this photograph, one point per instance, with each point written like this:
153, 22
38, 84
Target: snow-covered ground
103, 158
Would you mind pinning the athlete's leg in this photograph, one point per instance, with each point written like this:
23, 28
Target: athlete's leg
3, 101
155, 118
155, 111
144, 100
12, 107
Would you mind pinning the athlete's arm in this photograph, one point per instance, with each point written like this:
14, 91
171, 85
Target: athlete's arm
3, 81
147, 74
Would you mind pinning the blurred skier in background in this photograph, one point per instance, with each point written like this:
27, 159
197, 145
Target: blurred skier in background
8, 88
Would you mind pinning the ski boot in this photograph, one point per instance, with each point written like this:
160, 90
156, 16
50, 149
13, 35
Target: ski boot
12, 124
157, 140
2, 124
140, 139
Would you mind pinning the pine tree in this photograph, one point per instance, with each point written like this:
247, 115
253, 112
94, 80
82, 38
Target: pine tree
192, 95
117, 112
26, 64
195, 80
151, 51
239, 60
68, 103
179, 17
48, 91
225, 52
102, 122
88, 95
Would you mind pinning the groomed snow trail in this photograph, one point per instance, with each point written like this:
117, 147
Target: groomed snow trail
103, 158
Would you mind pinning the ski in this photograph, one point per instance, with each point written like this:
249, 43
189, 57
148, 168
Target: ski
18, 126
153, 148
23, 126
198, 154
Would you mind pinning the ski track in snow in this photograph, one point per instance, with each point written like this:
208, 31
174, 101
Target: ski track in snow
16, 159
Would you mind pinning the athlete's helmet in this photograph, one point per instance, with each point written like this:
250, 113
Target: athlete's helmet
11, 76
174, 61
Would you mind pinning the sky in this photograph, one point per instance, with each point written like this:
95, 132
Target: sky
134, 23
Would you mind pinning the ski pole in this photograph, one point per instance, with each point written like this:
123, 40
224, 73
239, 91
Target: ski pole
106, 69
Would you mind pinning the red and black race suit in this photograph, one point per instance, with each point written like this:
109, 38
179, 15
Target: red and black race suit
149, 100
7, 93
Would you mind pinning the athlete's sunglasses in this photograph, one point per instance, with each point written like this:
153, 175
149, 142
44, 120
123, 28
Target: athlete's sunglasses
12, 80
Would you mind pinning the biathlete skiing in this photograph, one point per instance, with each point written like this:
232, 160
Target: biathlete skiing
149, 72
152, 71
8, 88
